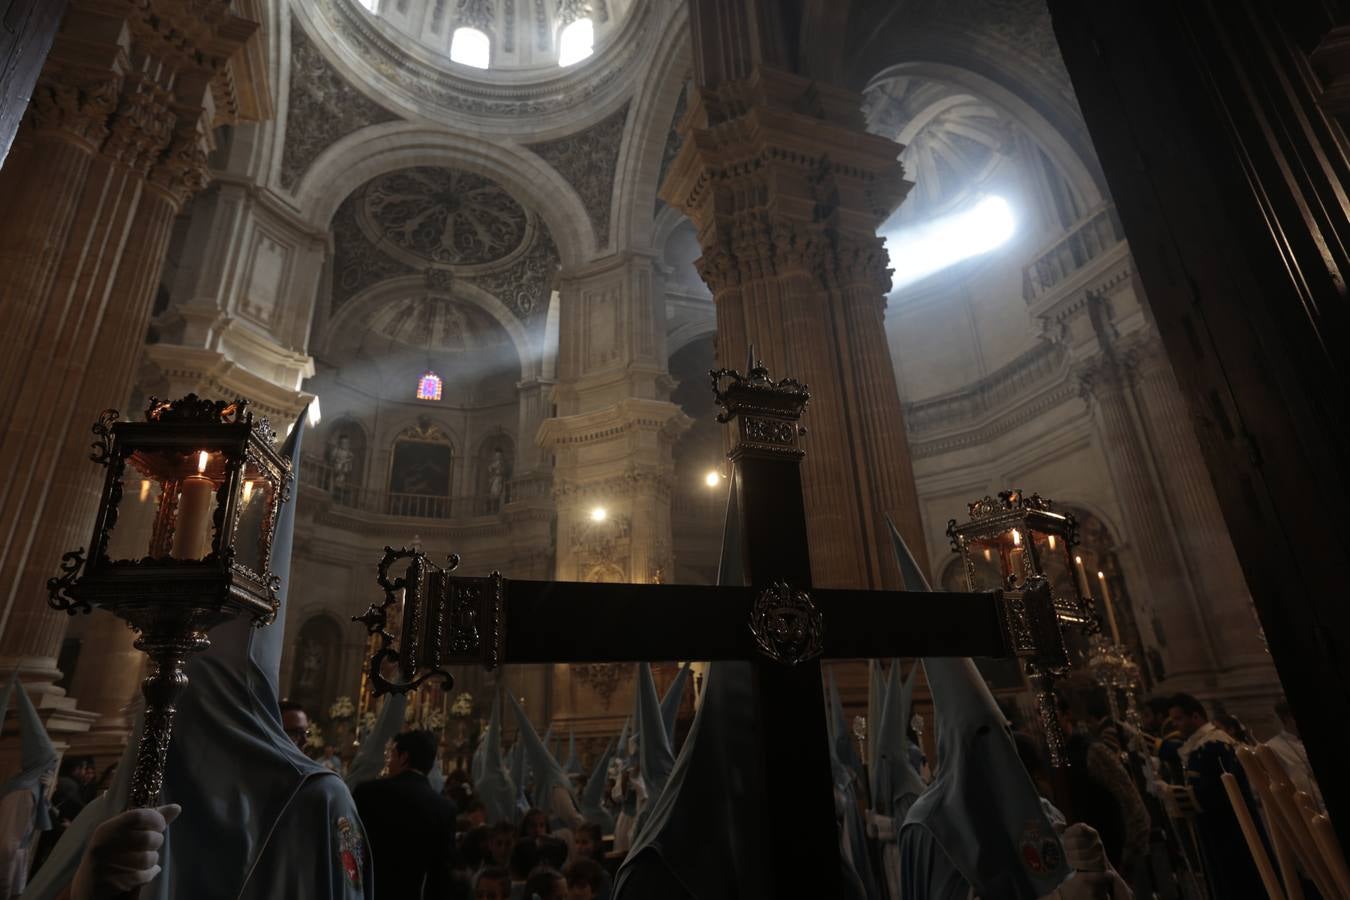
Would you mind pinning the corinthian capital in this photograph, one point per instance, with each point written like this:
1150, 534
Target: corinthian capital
1106, 374
75, 104
142, 126
182, 170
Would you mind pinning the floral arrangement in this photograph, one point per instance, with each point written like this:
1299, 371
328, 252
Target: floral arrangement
342, 708
435, 720
314, 739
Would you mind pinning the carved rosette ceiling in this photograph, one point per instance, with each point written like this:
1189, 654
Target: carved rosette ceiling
449, 225
588, 161
322, 108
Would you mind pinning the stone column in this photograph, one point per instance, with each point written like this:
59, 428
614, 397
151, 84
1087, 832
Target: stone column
1246, 677
786, 190
116, 142
1169, 603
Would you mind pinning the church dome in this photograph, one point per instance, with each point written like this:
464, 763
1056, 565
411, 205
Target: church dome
505, 40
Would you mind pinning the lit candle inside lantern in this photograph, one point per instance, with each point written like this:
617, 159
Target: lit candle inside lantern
1110, 608
1050, 539
1083, 587
248, 492
193, 523
1016, 555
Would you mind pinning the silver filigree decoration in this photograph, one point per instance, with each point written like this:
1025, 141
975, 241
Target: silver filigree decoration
786, 624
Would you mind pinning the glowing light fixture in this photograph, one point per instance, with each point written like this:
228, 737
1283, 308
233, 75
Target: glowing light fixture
576, 42
429, 386
599, 514
313, 414
920, 250
470, 47
712, 479
370, 5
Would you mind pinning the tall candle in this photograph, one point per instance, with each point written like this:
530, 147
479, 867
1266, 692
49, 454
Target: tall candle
1110, 608
1083, 587
1015, 556
193, 523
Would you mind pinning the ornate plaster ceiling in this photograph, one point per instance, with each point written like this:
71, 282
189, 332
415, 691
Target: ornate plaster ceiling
441, 216
436, 323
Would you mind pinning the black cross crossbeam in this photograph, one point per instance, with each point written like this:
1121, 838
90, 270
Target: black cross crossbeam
565, 622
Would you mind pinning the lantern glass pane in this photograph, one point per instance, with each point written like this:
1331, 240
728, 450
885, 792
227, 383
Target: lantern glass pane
253, 533
986, 560
1056, 565
130, 537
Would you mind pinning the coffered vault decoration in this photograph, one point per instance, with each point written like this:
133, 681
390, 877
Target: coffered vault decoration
448, 225
322, 108
436, 215
588, 160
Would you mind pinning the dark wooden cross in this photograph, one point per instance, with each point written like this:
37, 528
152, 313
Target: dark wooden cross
777, 620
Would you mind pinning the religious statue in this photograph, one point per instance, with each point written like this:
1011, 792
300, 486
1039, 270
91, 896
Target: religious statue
341, 461
496, 478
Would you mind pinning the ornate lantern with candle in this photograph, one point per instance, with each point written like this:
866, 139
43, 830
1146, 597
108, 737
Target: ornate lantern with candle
1015, 540
182, 542
1015, 537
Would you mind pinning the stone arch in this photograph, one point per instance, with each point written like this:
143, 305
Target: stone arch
389, 290
645, 137
355, 159
1081, 170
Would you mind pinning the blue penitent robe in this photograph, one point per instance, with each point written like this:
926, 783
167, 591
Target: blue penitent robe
1232, 874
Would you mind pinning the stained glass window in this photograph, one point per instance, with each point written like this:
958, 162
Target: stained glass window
429, 387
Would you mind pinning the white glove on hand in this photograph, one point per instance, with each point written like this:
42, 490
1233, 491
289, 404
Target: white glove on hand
123, 853
1093, 877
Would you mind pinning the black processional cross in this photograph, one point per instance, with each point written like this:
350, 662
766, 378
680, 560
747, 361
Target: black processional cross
776, 620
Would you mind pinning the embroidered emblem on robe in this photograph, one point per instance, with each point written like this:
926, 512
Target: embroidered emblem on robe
351, 850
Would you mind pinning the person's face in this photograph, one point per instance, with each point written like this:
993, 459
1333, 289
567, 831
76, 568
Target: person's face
296, 724
584, 845
398, 761
478, 817
537, 826
500, 847
1186, 724
86, 773
1148, 719
491, 889
580, 892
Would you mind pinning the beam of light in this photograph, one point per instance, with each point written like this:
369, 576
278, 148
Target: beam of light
599, 514
576, 42
470, 47
918, 251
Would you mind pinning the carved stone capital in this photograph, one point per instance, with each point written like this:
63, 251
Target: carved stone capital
182, 170
142, 125
75, 103
1107, 374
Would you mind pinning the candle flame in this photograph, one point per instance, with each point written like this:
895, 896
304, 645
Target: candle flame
1051, 540
1078, 560
988, 554
1101, 575
145, 490
248, 491
1017, 538
202, 457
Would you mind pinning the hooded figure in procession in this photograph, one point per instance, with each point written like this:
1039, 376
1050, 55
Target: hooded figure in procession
981, 830
25, 799
260, 820
553, 791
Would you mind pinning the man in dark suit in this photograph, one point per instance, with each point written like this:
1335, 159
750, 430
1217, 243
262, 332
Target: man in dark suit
410, 826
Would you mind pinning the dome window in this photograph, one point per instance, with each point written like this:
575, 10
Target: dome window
370, 5
470, 47
576, 42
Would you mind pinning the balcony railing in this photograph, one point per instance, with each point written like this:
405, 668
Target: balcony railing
316, 473
1092, 236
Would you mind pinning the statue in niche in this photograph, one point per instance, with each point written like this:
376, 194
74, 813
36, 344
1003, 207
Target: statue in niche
311, 664
341, 459
496, 472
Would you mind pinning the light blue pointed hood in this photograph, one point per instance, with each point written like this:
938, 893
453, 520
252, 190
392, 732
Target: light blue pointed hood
982, 808
670, 703
573, 764
494, 785
553, 791
706, 831
37, 757
847, 769
593, 795
369, 759
654, 752
896, 784
876, 700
